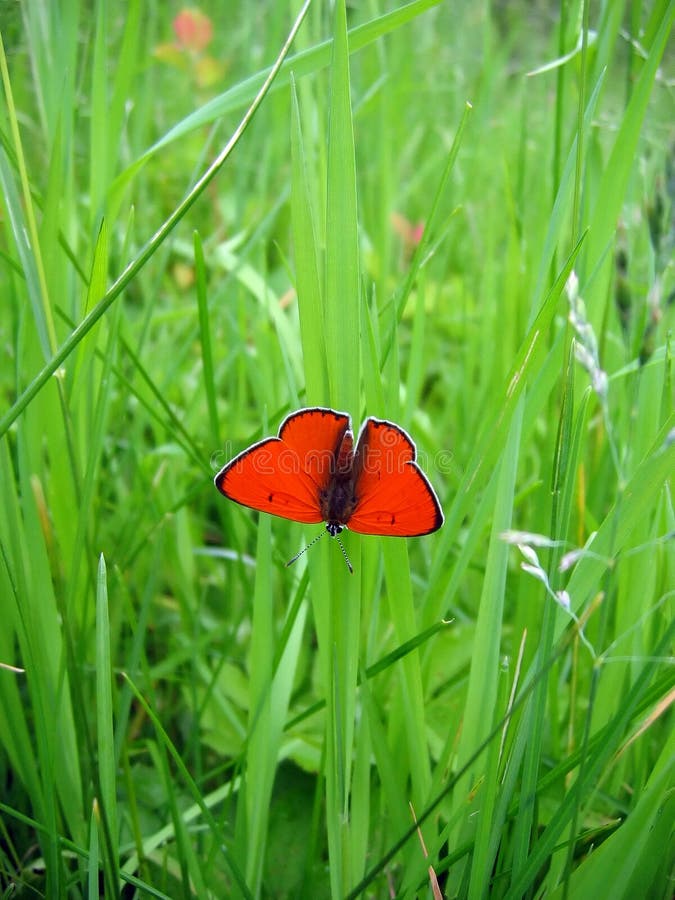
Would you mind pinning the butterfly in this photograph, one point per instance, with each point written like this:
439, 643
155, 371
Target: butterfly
312, 472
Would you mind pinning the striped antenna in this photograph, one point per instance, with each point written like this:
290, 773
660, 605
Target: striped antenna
344, 553
305, 549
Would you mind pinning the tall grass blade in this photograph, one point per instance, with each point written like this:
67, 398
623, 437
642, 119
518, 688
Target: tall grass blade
340, 641
307, 270
107, 766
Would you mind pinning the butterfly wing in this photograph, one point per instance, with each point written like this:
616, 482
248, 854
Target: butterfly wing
393, 495
315, 434
266, 477
285, 475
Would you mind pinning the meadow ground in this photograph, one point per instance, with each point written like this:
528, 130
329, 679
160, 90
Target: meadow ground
455, 216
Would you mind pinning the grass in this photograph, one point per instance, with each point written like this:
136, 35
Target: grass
459, 219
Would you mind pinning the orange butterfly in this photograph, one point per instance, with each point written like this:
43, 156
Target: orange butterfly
312, 473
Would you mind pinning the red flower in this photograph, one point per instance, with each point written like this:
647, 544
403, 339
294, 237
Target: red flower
193, 29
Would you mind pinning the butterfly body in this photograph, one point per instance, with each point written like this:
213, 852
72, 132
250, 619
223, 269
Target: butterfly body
313, 472
337, 499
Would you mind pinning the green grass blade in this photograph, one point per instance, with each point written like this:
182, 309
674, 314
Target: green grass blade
100, 139
27, 235
484, 852
93, 891
205, 340
338, 622
307, 278
107, 768
263, 738
412, 710
342, 291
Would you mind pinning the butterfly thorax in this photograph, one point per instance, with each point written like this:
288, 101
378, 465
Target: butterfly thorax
337, 501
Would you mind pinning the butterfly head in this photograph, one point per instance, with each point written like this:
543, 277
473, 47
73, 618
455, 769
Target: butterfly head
333, 529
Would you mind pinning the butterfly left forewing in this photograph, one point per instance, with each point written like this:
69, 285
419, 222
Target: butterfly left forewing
269, 477
315, 427
393, 496
316, 434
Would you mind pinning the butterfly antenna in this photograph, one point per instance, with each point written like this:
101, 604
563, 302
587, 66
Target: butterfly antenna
313, 541
344, 553
305, 549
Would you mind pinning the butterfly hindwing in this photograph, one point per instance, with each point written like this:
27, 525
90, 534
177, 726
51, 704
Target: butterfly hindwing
393, 496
